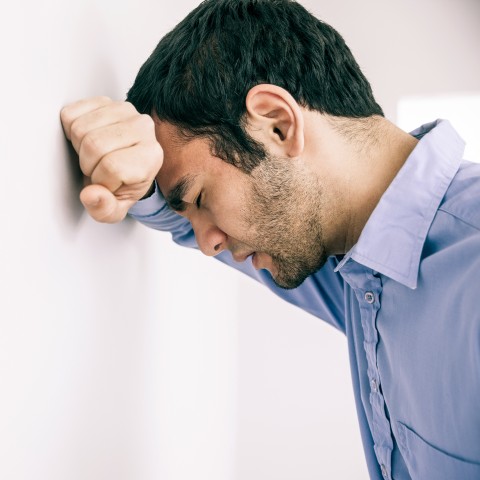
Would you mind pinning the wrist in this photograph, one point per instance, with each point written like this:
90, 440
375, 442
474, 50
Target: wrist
150, 191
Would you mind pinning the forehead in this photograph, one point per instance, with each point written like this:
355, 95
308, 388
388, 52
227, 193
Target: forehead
192, 159
181, 157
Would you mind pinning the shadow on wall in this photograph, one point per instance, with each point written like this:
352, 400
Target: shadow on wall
75, 182
94, 68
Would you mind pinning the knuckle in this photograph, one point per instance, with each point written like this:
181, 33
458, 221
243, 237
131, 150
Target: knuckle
129, 107
102, 99
151, 155
123, 109
110, 166
77, 130
66, 116
90, 145
145, 121
156, 154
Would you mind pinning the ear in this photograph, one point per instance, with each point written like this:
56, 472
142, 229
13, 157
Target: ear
275, 119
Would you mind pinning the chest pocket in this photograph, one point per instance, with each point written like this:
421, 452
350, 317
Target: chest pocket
427, 462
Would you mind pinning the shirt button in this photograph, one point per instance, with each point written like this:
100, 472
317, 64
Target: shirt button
369, 297
374, 385
384, 471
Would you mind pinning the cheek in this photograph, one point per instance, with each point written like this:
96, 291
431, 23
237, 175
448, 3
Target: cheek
229, 214
229, 203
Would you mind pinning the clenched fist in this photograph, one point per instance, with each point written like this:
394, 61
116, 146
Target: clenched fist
117, 150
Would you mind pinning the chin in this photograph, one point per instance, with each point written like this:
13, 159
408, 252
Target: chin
288, 283
291, 276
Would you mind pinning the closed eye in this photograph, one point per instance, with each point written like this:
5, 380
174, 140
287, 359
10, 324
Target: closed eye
198, 201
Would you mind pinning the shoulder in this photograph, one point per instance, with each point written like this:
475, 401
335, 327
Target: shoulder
462, 199
452, 247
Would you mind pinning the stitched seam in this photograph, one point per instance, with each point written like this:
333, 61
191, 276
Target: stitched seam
460, 219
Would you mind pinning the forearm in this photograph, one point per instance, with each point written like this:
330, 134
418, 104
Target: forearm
153, 212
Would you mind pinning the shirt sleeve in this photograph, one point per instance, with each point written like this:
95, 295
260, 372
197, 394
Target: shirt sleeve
320, 294
155, 213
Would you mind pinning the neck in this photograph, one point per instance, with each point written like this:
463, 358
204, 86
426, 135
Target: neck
358, 159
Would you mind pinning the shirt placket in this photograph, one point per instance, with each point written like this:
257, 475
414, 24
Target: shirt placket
367, 288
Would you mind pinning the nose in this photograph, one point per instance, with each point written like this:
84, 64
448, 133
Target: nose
211, 240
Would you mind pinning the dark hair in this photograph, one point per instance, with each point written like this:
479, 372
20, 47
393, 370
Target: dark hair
198, 76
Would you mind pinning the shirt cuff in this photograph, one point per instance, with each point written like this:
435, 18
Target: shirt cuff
149, 206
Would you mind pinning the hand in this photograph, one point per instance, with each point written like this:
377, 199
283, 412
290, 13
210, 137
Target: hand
117, 150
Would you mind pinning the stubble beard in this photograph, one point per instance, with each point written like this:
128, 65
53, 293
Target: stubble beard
284, 214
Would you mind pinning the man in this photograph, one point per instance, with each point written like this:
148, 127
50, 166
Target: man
269, 152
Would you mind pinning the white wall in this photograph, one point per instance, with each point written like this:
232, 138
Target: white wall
123, 356
116, 362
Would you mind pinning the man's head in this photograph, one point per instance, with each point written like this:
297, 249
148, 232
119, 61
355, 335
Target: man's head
274, 215
237, 90
200, 73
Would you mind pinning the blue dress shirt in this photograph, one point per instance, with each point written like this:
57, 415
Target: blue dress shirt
407, 296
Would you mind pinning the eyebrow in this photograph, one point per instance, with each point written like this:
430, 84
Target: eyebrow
177, 193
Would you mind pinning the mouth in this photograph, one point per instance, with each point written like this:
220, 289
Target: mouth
259, 260
243, 257
263, 261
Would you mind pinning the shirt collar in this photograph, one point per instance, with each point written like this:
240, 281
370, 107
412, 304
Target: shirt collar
393, 237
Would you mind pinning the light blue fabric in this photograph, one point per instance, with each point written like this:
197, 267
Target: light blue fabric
407, 296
